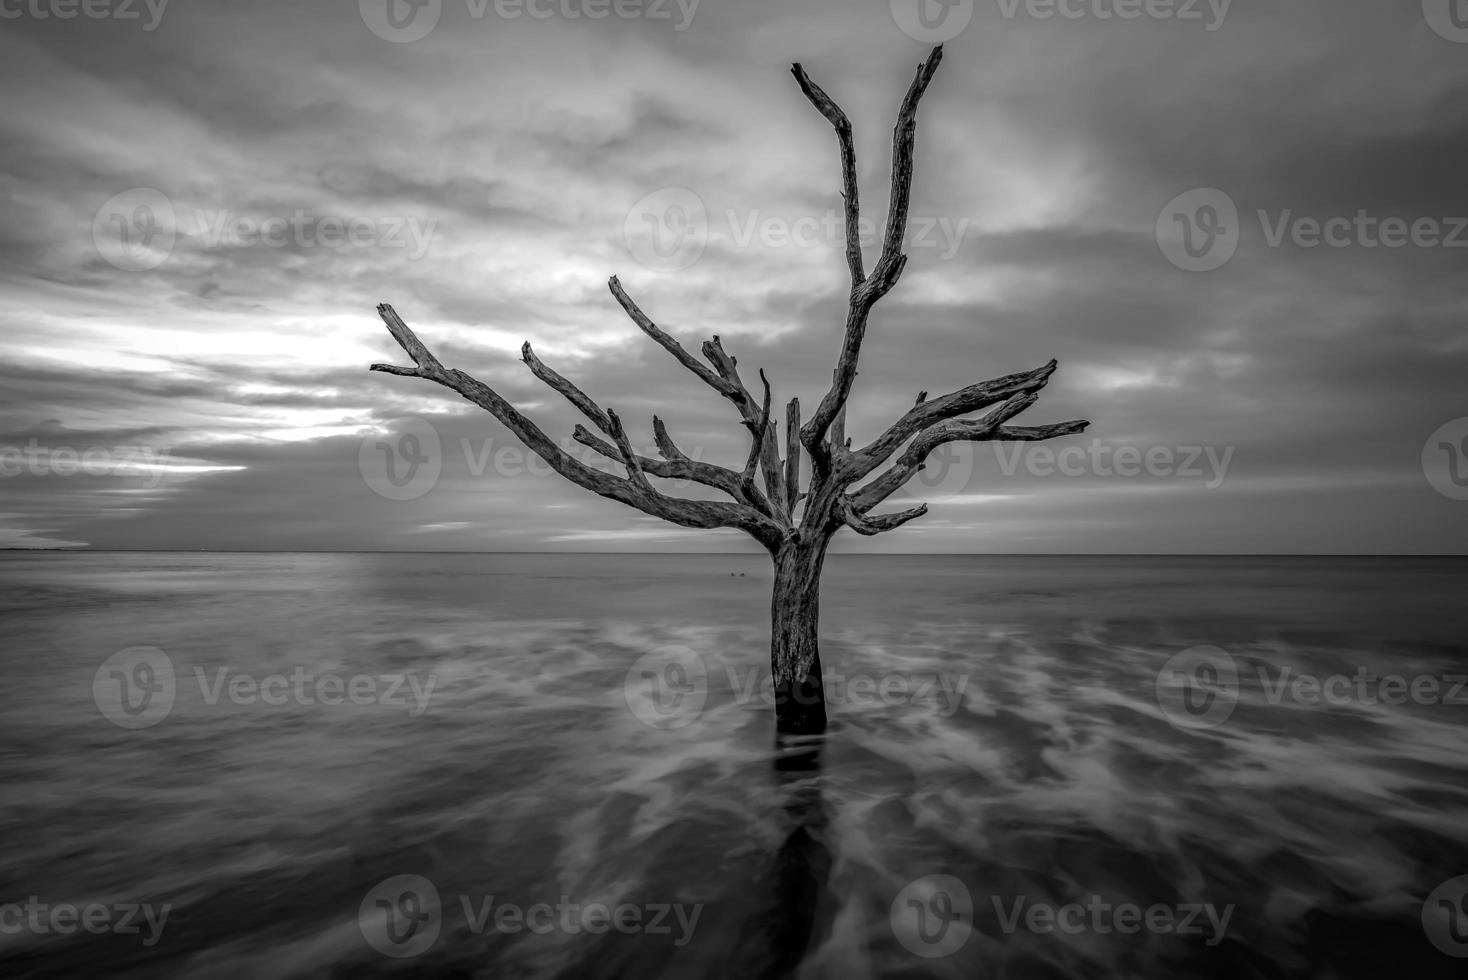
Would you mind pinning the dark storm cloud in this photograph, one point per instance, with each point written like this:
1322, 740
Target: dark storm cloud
489, 171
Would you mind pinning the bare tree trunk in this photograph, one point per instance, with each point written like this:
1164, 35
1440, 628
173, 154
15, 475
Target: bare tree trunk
795, 660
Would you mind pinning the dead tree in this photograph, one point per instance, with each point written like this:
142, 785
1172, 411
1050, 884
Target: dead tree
794, 519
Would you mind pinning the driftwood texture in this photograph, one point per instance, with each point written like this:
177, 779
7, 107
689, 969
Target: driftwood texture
795, 523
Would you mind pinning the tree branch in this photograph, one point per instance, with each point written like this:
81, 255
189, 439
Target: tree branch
792, 456
904, 138
852, 206
629, 455
666, 342
840, 444
689, 513
1039, 433
666, 447
678, 467
573, 394
864, 294
427, 364
928, 412
724, 379
869, 526
759, 431
766, 441
990, 428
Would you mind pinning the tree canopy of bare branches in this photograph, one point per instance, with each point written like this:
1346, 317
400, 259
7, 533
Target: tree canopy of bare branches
794, 497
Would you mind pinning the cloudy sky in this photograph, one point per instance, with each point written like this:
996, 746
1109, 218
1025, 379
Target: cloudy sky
202, 202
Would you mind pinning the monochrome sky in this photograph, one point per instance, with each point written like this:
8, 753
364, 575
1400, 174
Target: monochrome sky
203, 201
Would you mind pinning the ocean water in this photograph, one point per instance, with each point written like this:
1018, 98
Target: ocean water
1002, 763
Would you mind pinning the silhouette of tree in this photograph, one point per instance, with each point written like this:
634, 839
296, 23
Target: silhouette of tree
766, 497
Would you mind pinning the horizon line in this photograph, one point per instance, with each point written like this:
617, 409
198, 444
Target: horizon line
747, 554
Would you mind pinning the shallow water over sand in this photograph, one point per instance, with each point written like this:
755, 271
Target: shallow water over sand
1037, 767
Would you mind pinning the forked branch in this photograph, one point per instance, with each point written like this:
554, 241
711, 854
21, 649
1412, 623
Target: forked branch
929, 412
632, 490
866, 290
989, 428
765, 508
678, 467
724, 378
